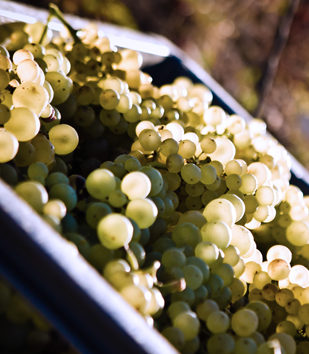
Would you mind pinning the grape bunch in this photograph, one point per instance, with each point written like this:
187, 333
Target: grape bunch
185, 210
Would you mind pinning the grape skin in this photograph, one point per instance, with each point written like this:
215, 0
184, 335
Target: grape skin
200, 180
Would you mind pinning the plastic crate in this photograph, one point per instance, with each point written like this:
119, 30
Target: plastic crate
49, 271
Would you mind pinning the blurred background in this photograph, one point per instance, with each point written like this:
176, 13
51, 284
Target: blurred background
257, 50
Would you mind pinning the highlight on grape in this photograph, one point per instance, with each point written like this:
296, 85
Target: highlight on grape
185, 210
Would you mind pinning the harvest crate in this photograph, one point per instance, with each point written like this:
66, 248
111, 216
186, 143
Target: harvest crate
46, 269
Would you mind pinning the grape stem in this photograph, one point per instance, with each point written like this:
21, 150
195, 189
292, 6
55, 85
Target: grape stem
45, 29
173, 286
54, 11
131, 258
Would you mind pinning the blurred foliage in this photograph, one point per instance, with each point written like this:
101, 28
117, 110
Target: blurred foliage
232, 40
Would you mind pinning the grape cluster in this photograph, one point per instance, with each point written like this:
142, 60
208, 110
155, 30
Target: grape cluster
185, 210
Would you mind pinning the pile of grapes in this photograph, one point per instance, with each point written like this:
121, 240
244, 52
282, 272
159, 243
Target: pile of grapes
185, 210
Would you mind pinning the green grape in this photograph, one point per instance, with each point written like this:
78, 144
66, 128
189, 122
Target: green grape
286, 327
33, 193
231, 255
278, 269
37, 171
286, 341
138, 251
65, 193
218, 233
251, 203
248, 184
244, 322
238, 288
27, 70
55, 208
202, 266
4, 79
64, 138
263, 312
6, 99
205, 308
225, 272
50, 91
220, 209
234, 167
214, 285
8, 145
99, 256
191, 173
242, 238
222, 343
143, 211
177, 307
55, 178
191, 346
174, 163
201, 293
217, 322
37, 51
192, 216
80, 242
109, 118
132, 164
172, 181
297, 233
225, 150
109, 99
186, 149
245, 345
173, 257
137, 296
134, 114
238, 204
186, 234
4, 114
195, 190
117, 199
160, 205
175, 336
52, 62
32, 96
188, 323
269, 291
193, 276
209, 174
207, 251
44, 150
260, 279
233, 182
114, 231
125, 103
168, 147
299, 275
303, 313
186, 295
149, 139
23, 123
100, 183
114, 266
251, 268
136, 185
9, 174
239, 268
61, 84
